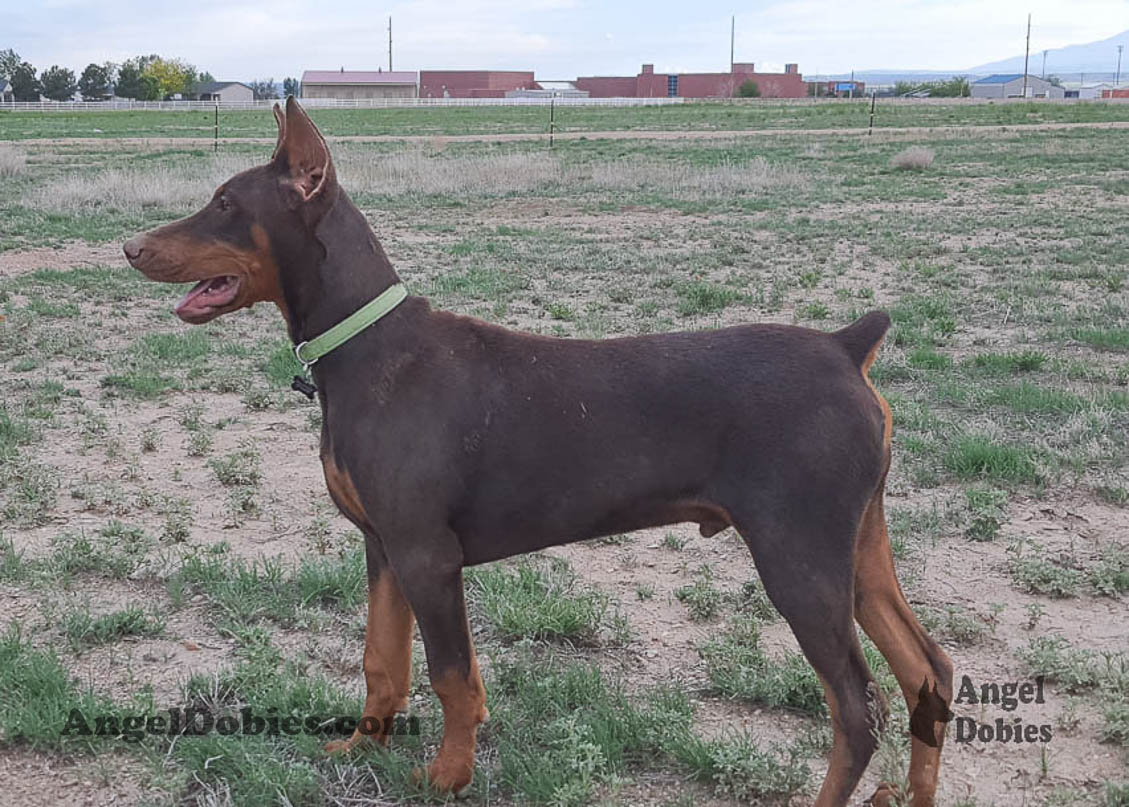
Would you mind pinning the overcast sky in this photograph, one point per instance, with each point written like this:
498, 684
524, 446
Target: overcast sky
559, 39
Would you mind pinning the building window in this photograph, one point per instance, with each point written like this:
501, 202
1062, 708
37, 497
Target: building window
671, 86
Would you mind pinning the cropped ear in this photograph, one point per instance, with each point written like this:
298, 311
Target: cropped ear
303, 152
280, 117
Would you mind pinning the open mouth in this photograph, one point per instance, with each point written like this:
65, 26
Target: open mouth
207, 297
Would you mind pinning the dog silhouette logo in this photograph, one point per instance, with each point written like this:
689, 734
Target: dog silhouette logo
930, 710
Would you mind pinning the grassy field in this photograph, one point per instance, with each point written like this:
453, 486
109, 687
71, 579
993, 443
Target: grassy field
694, 116
167, 540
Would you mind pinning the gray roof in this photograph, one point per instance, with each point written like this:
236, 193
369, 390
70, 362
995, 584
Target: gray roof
216, 86
1001, 78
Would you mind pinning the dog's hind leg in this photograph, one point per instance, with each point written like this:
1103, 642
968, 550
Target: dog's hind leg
806, 571
920, 665
387, 660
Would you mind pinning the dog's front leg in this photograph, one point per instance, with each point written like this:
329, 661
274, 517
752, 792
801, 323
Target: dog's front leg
431, 574
388, 653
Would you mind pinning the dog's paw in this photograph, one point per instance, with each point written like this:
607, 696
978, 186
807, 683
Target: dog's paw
445, 776
886, 795
357, 742
339, 747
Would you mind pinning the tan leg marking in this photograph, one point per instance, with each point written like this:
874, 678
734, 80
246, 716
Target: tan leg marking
387, 663
882, 611
464, 708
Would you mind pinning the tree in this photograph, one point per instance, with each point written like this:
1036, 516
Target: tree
132, 82
95, 82
25, 85
202, 79
9, 61
58, 83
173, 76
290, 86
748, 89
956, 87
264, 88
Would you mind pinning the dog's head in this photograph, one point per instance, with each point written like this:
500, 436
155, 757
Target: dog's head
931, 709
228, 247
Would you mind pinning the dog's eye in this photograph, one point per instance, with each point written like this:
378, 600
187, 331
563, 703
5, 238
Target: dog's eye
224, 203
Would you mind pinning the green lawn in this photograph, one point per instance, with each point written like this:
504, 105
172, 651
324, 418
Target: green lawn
692, 116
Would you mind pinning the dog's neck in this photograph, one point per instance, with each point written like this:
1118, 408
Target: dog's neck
343, 269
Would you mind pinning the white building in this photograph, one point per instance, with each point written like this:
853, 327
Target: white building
225, 91
1010, 85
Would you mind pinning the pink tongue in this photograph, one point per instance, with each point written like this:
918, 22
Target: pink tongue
195, 292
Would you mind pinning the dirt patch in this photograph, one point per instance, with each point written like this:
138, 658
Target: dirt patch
32, 778
65, 256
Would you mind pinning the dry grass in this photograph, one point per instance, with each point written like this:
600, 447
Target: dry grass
915, 158
416, 172
12, 162
690, 181
178, 187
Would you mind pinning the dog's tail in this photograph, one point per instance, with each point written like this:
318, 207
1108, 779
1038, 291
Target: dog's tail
862, 337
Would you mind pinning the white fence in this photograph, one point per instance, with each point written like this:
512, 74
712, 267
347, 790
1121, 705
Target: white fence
327, 103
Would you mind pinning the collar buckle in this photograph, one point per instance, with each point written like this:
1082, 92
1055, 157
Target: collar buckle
306, 365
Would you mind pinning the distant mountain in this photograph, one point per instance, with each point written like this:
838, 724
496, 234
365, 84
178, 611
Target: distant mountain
1091, 58
888, 76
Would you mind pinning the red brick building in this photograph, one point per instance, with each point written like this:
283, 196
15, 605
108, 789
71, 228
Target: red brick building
1116, 92
649, 84
473, 83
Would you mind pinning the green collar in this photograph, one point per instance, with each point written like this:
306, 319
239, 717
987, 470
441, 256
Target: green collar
311, 350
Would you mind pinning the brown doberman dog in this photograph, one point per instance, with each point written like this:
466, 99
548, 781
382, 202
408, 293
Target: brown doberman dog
450, 442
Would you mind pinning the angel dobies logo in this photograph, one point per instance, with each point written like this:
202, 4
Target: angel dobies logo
1008, 696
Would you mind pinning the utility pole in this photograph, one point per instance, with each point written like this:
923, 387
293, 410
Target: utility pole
1044, 64
732, 39
1117, 80
1026, 55
389, 44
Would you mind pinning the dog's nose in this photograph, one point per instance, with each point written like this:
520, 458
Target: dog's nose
132, 248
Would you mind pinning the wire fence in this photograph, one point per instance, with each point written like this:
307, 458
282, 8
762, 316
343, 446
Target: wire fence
127, 105
330, 103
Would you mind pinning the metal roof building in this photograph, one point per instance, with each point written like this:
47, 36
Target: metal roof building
351, 84
1010, 85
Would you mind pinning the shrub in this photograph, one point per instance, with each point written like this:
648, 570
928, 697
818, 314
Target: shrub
12, 162
748, 89
915, 158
